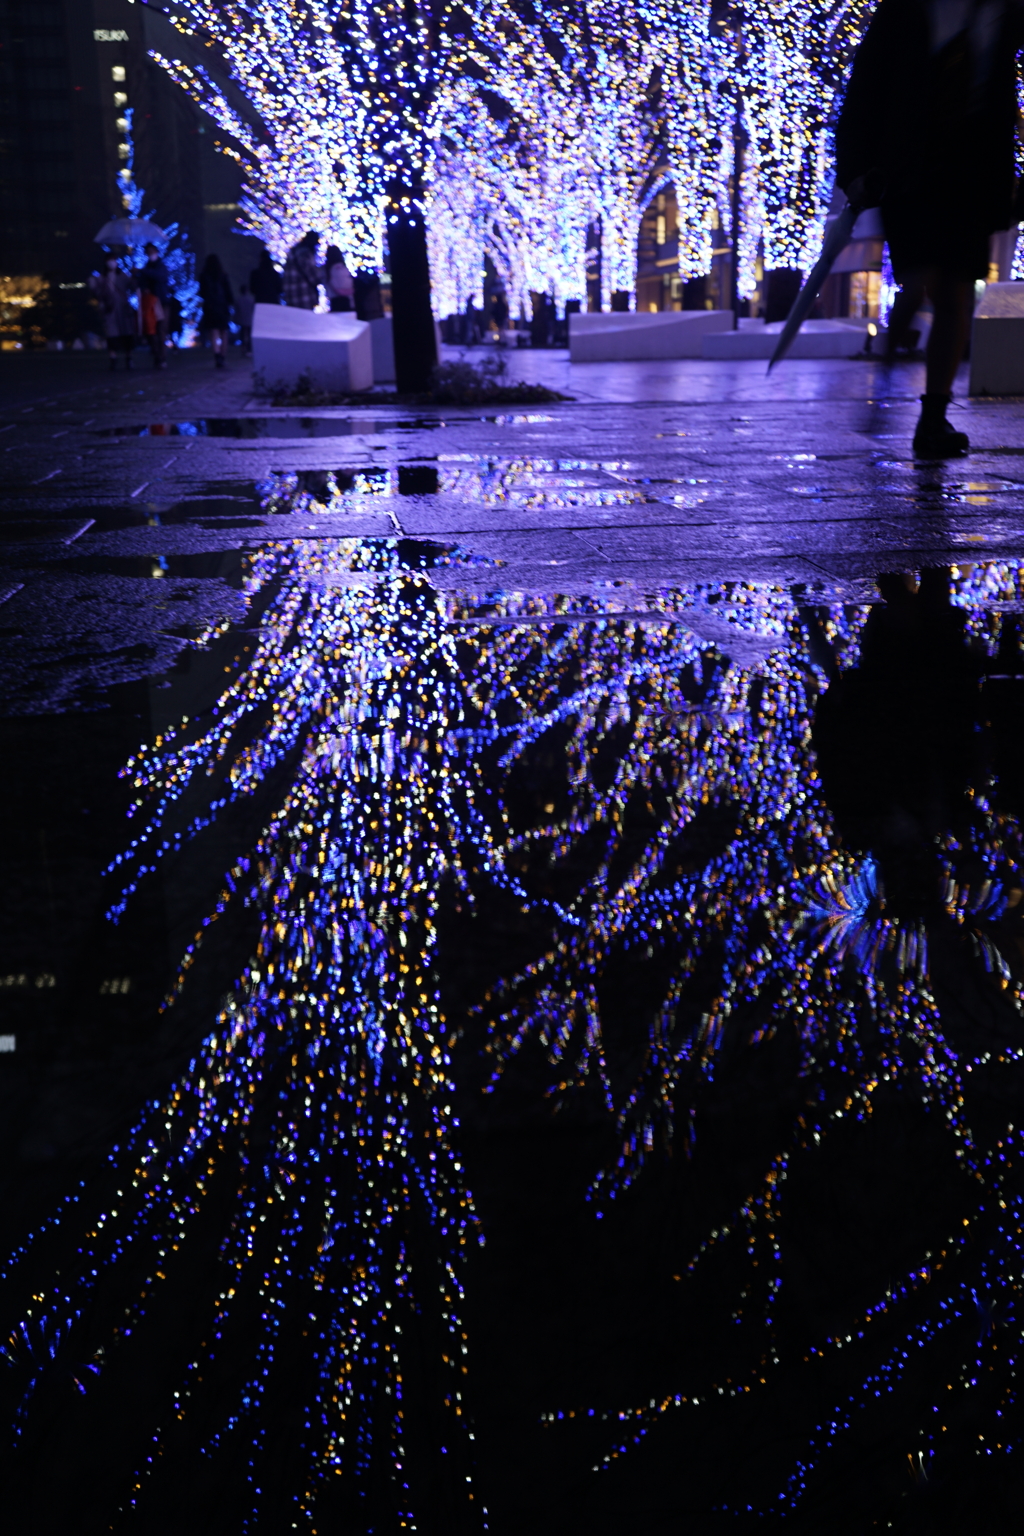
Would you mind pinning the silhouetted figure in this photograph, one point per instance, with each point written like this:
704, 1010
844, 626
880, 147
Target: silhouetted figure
895, 736
218, 302
338, 281
265, 282
542, 320
926, 133
154, 297
367, 296
113, 288
245, 306
499, 308
302, 275
471, 324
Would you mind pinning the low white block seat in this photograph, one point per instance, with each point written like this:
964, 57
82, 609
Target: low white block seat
637, 336
997, 341
815, 338
331, 351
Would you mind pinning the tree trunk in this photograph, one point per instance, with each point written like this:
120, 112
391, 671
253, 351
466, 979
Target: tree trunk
413, 319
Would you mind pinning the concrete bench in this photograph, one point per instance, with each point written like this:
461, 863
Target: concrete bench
997, 341
639, 337
383, 342
333, 352
816, 338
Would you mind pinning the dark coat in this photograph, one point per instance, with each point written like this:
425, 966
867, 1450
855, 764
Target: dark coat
218, 301
266, 284
153, 277
937, 126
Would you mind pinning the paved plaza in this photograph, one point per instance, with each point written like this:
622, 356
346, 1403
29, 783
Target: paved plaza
625, 700
655, 474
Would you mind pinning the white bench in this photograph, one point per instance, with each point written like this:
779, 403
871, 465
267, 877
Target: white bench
637, 336
815, 338
289, 346
997, 341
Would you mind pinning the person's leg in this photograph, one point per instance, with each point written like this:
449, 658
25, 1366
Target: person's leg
953, 301
217, 337
906, 305
112, 352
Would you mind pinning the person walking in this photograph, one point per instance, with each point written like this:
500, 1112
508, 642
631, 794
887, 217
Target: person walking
301, 274
245, 306
338, 281
154, 298
926, 134
218, 302
113, 288
265, 283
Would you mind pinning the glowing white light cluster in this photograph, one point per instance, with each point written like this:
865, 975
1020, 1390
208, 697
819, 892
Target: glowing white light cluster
519, 128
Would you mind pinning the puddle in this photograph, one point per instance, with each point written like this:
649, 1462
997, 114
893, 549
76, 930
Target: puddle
674, 921
283, 426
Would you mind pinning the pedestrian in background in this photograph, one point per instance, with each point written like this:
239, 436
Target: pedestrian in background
265, 282
154, 298
367, 296
471, 324
926, 134
245, 306
338, 281
218, 302
120, 319
499, 310
302, 275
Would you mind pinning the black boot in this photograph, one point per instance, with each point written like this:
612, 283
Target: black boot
934, 438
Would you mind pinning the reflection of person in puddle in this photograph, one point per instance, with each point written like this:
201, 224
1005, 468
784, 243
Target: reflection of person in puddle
896, 736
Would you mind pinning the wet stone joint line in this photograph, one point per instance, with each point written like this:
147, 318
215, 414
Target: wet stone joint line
513, 956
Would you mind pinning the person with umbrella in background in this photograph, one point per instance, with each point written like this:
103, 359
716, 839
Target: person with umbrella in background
926, 134
155, 298
218, 302
113, 289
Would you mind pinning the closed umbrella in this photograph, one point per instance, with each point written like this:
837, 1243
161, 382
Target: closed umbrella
129, 232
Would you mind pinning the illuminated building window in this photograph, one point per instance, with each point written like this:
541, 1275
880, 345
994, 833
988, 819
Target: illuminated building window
660, 232
120, 98
122, 125
7, 1043
117, 72
865, 292
122, 151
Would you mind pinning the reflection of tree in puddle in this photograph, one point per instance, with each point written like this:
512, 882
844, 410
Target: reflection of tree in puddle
657, 814
325, 1365
864, 927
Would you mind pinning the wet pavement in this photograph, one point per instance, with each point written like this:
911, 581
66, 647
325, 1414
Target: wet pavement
533, 898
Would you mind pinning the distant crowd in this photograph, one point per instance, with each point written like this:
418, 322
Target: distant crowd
155, 313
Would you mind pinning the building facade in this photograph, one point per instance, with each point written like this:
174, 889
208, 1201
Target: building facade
70, 70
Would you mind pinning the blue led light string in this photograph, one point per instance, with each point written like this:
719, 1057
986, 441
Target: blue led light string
356, 1211
836, 965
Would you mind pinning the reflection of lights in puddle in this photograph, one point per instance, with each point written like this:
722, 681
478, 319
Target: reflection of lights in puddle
394, 731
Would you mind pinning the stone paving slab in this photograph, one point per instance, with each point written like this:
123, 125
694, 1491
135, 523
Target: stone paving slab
655, 473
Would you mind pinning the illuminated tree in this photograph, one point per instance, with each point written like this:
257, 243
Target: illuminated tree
302, 144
